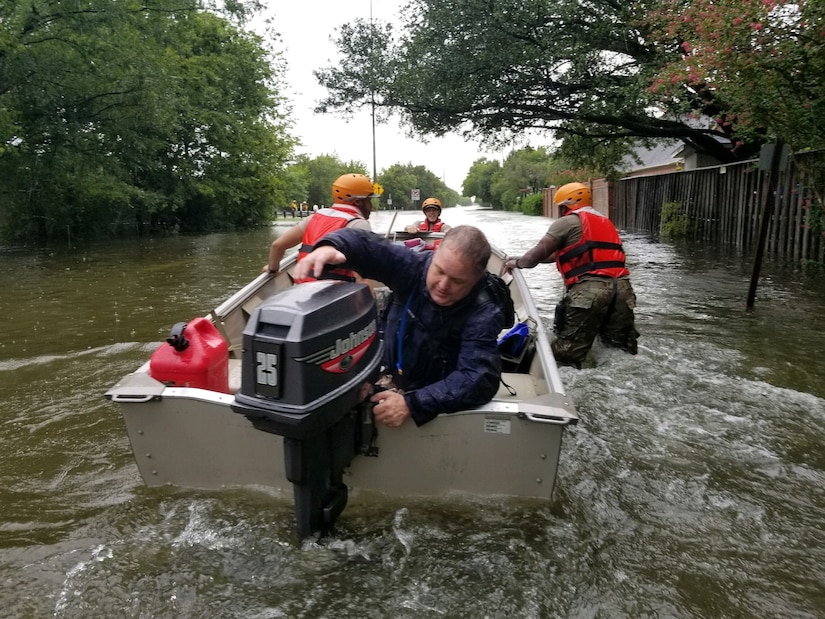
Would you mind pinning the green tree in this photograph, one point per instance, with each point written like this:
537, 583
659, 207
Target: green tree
399, 180
492, 70
296, 182
525, 172
563, 170
117, 115
533, 204
479, 179
320, 172
529, 169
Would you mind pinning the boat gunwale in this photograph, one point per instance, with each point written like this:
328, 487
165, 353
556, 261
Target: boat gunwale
132, 387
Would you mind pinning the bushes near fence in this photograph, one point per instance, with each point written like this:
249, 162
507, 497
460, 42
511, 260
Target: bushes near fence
532, 204
675, 222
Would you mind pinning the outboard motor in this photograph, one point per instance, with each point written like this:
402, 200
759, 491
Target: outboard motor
309, 355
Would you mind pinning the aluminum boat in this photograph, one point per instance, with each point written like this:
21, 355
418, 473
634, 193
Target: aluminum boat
199, 428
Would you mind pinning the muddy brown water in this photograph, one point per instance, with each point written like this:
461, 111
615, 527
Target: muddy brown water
694, 485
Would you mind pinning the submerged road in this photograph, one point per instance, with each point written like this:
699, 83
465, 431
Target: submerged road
693, 486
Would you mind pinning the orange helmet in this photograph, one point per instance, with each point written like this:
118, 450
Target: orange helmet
573, 196
431, 202
351, 187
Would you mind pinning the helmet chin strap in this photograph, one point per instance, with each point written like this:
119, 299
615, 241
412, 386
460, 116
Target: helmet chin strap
365, 204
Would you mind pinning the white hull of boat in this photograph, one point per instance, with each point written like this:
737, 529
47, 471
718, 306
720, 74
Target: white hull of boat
192, 438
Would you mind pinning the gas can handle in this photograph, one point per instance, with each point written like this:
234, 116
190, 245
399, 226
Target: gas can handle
176, 339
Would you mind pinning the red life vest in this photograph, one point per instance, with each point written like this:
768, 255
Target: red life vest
424, 226
322, 222
598, 252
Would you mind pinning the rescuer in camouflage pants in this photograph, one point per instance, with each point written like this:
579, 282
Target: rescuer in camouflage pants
598, 298
594, 306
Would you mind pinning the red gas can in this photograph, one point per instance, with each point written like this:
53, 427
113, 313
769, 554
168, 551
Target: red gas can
194, 355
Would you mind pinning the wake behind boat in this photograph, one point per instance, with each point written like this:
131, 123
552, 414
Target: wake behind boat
265, 393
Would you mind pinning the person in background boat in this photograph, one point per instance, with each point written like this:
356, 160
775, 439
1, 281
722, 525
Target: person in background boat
599, 298
352, 206
441, 328
432, 218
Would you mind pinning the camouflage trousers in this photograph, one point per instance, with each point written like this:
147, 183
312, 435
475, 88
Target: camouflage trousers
594, 306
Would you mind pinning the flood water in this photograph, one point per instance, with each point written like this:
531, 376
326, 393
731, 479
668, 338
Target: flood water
693, 486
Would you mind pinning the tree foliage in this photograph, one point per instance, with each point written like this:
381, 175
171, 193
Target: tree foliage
313, 178
533, 204
494, 69
400, 179
478, 182
762, 60
524, 173
117, 115
318, 174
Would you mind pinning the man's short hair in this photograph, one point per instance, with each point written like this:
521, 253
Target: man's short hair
471, 242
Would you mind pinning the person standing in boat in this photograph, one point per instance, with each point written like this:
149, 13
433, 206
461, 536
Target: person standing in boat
441, 328
352, 194
432, 218
599, 298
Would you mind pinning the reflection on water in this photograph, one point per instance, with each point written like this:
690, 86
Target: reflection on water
692, 487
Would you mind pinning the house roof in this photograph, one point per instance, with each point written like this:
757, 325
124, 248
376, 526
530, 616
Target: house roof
667, 152
670, 152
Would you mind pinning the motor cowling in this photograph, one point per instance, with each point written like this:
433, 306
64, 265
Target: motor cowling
306, 353
309, 354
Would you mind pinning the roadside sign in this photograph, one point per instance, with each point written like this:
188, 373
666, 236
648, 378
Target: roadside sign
416, 194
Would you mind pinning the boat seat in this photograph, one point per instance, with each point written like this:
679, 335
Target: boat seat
519, 357
523, 384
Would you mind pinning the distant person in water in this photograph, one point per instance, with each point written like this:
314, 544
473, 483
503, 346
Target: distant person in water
598, 299
352, 195
432, 218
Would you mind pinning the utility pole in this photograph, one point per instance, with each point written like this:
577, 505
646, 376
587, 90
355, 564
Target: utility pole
372, 103
777, 153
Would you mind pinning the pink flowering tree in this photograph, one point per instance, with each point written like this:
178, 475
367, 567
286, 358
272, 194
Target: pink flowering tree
756, 65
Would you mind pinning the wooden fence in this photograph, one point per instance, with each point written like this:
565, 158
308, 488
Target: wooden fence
725, 203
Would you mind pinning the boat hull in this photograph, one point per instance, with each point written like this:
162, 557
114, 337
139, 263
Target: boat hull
190, 437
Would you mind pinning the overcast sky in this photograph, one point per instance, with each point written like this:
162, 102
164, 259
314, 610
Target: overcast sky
306, 27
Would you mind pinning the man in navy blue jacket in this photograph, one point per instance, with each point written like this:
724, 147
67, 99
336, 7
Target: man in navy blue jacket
440, 331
